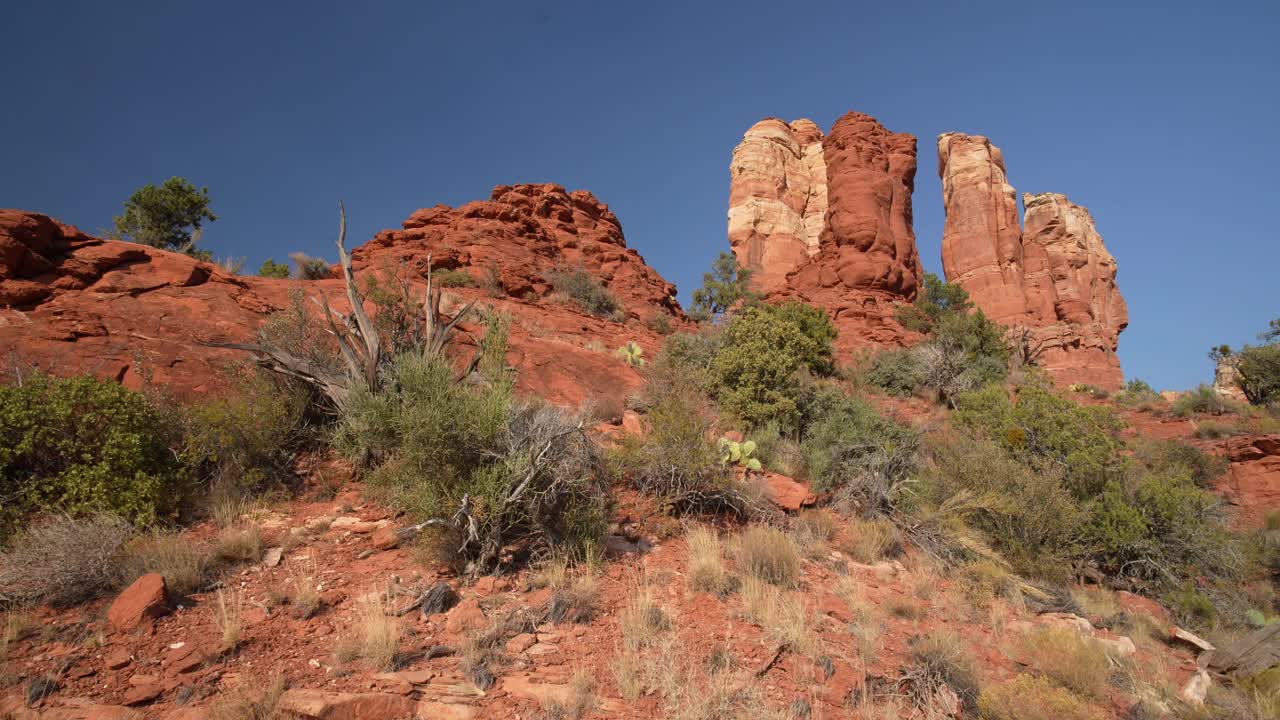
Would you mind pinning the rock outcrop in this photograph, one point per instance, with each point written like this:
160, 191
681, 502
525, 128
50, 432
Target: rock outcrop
1054, 278
72, 303
862, 261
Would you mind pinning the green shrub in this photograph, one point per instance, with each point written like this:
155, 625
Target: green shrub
582, 289
756, 372
1204, 400
1034, 698
82, 445
687, 356
1259, 372
935, 300
507, 472
1041, 430
454, 278
849, 447
272, 269
1138, 395
1173, 456
1028, 515
306, 267
895, 372
168, 216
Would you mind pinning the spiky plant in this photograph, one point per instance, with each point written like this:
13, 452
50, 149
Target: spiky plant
631, 353
739, 453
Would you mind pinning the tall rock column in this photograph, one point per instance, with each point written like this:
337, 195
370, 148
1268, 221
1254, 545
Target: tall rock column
827, 220
1089, 312
777, 199
1054, 277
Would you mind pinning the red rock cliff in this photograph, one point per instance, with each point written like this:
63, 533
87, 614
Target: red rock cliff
862, 261
71, 303
1056, 277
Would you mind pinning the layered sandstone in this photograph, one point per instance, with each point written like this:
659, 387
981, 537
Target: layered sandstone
1055, 277
71, 303
861, 262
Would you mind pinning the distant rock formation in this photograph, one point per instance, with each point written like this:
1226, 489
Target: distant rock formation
71, 303
861, 261
1055, 278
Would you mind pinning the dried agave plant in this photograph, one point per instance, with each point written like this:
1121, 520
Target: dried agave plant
361, 348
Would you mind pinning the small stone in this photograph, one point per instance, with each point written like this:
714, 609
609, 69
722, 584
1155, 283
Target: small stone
272, 557
1194, 692
117, 659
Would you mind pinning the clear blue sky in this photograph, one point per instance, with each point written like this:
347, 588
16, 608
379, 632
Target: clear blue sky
1161, 118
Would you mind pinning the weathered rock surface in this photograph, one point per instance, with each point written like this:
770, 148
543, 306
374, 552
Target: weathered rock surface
143, 601
861, 260
777, 199
71, 303
1252, 480
1055, 278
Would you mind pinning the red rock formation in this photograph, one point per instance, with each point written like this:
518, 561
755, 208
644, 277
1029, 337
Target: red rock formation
522, 235
1252, 481
864, 261
71, 303
1056, 278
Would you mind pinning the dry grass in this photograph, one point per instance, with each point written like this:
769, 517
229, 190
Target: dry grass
16, 627
239, 544
782, 615
579, 704
905, 608
304, 589
707, 572
243, 703
227, 616
812, 530
1032, 698
575, 601
864, 628
553, 572
1069, 659
642, 621
184, 565
982, 581
373, 635
870, 541
768, 554
942, 657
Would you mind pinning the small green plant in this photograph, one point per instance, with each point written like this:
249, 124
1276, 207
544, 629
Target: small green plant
168, 216
272, 269
733, 452
582, 289
454, 278
725, 286
631, 353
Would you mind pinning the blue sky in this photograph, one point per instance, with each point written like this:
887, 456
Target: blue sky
1159, 117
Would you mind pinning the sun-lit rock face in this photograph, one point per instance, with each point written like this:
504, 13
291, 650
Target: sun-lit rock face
828, 220
1051, 273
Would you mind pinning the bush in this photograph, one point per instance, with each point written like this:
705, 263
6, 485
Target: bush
895, 372
160, 216
1028, 515
1042, 430
582, 289
1138, 395
82, 445
272, 269
454, 278
306, 267
850, 447
1259, 373
65, 561
766, 553
509, 472
722, 288
1032, 698
1204, 400
1173, 456
943, 658
935, 300
756, 372
687, 357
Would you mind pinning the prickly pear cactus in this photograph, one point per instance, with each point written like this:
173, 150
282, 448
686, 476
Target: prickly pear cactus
739, 453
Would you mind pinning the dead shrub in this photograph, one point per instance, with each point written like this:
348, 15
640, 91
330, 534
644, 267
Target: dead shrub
239, 544
870, 541
373, 635
575, 602
65, 561
183, 564
245, 702
304, 590
579, 704
642, 620
943, 658
768, 554
227, 615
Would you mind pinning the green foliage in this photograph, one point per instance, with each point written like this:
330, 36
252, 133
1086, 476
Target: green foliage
896, 372
733, 452
520, 471
1203, 400
725, 286
164, 216
272, 269
688, 356
454, 278
1192, 607
849, 447
764, 351
631, 353
583, 290
1137, 394
1175, 457
1138, 386
1028, 515
83, 445
1259, 371
935, 300
1042, 430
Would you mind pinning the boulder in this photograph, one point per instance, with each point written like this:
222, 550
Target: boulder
786, 493
140, 603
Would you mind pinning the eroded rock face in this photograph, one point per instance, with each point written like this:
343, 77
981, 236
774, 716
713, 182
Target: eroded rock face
777, 199
1055, 277
860, 261
72, 304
